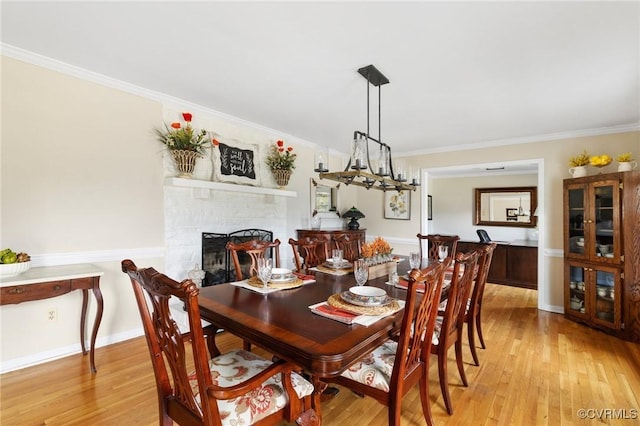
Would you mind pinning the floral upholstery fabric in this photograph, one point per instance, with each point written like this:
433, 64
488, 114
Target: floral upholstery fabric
435, 338
375, 369
443, 305
237, 366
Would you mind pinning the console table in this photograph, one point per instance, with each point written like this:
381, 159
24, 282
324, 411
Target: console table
51, 281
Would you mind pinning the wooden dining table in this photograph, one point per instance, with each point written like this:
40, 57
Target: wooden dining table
282, 323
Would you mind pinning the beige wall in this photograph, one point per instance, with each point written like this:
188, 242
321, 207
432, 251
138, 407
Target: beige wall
554, 156
82, 174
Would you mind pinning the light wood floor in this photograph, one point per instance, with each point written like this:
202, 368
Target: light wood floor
538, 369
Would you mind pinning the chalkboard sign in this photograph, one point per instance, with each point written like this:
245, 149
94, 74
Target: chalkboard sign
236, 162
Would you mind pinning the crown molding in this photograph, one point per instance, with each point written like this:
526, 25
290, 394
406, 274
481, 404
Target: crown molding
104, 80
624, 128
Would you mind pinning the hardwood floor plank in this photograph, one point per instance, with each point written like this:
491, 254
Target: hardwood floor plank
538, 369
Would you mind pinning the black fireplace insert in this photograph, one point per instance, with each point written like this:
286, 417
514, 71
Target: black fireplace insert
216, 259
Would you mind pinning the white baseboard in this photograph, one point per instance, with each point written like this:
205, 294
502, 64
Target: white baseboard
42, 357
552, 308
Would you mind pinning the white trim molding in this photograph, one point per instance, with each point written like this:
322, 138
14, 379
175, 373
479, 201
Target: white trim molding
55, 259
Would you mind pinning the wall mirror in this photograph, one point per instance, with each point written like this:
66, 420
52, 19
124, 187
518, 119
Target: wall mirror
514, 206
324, 198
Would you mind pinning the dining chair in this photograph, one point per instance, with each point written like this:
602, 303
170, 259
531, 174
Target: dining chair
435, 241
448, 328
473, 311
349, 245
255, 249
392, 369
309, 252
236, 387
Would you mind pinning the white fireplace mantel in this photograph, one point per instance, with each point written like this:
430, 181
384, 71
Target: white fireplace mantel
219, 186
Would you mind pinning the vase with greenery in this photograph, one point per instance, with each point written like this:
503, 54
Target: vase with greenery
626, 162
184, 143
578, 164
281, 161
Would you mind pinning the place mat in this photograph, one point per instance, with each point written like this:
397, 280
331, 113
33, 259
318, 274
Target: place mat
347, 317
280, 285
336, 301
331, 271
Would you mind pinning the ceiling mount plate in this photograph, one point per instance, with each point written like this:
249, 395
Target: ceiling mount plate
372, 75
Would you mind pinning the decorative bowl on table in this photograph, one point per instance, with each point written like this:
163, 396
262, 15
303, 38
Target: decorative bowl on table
13, 269
366, 296
282, 274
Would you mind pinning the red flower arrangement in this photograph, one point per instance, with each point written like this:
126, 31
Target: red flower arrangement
281, 158
179, 137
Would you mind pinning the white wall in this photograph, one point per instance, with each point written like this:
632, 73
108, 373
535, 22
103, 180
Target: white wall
454, 201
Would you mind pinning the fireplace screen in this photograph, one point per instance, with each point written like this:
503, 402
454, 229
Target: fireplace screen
216, 260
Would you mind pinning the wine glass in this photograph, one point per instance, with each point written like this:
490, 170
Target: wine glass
337, 257
361, 271
443, 251
265, 268
414, 259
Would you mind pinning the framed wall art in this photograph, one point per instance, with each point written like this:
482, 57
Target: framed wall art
429, 207
397, 205
236, 162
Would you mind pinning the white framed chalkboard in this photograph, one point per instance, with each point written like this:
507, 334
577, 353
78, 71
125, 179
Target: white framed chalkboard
236, 162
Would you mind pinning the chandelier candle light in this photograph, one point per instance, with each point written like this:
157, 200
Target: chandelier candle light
359, 170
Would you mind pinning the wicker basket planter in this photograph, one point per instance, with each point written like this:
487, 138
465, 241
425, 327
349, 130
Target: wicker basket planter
185, 162
281, 177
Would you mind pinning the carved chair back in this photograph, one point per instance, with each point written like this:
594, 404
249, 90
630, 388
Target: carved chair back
255, 249
309, 252
434, 241
349, 245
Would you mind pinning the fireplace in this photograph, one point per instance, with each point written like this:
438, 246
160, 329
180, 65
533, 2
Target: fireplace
216, 259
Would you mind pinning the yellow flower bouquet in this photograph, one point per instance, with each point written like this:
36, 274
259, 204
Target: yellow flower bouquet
600, 160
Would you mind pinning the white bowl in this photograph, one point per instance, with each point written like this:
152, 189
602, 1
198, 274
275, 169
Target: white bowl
281, 274
13, 269
368, 295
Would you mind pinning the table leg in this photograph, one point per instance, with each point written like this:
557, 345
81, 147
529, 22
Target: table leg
319, 387
83, 319
96, 324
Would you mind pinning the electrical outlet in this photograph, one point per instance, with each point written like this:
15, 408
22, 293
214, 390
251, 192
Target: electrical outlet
52, 314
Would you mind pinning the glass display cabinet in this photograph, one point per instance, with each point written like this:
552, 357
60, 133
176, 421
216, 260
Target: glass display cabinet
602, 252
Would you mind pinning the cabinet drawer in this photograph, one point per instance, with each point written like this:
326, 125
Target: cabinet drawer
27, 292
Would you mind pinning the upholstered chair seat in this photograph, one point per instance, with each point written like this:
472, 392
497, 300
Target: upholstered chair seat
233, 368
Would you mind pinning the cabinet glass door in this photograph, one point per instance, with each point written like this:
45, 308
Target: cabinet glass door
603, 243
577, 289
605, 295
606, 305
576, 200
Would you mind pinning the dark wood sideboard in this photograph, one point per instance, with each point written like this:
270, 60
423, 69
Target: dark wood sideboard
514, 263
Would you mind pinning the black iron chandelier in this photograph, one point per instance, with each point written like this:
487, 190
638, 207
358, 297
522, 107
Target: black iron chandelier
360, 170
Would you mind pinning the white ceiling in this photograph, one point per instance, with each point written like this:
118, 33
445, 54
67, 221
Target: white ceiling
462, 73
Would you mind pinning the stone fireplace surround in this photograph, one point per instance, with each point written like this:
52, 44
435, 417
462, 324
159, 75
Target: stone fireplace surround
191, 210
